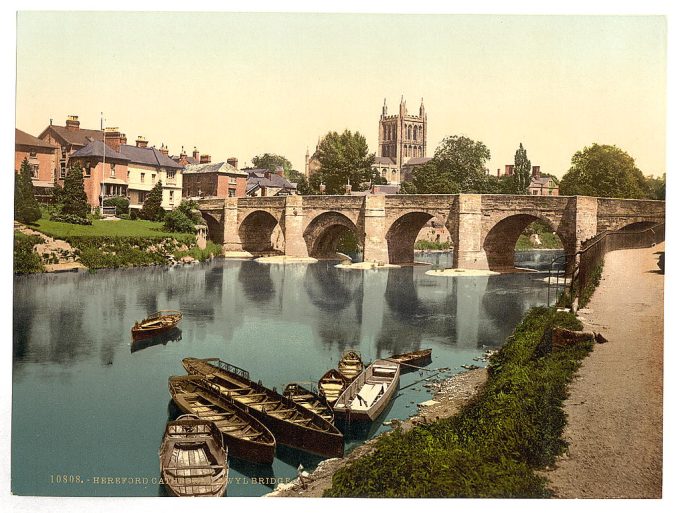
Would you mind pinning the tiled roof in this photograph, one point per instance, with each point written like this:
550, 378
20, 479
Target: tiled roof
384, 160
416, 161
148, 156
214, 167
99, 149
80, 137
257, 178
543, 180
21, 138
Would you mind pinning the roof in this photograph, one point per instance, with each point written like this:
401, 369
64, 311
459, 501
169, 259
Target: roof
417, 161
79, 137
258, 178
149, 156
21, 138
214, 167
190, 160
388, 161
99, 149
540, 181
115, 180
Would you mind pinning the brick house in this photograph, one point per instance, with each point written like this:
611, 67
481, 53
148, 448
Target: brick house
539, 185
263, 182
213, 180
43, 158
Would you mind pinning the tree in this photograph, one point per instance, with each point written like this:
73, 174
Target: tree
656, 187
522, 172
152, 210
26, 208
605, 171
343, 158
458, 166
73, 195
271, 161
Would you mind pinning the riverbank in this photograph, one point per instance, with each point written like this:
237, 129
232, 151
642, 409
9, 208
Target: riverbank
615, 406
452, 395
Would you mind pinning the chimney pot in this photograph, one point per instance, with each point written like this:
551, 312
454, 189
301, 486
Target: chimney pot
233, 161
141, 142
205, 159
72, 122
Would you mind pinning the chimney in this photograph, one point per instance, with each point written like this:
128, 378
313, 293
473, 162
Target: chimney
164, 149
278, 171
141, 142
72, 123
196, 154
112, 137
535, 171
233, 161
509, 169
267, 174
123, 139
498, 172
205, 159
182, 154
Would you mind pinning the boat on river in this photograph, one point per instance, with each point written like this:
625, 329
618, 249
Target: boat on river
350, 365
171, 335
156, 323
308, 399
370, 393
292, 424
331, 385
246, 437
416, 358
193, 459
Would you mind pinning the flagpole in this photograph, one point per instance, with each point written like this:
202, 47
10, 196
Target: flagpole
101, 185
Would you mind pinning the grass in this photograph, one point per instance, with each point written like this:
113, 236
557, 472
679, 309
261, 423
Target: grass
211, 250
494, 446
99, 228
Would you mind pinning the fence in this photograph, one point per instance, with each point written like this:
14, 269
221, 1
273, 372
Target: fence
586, 262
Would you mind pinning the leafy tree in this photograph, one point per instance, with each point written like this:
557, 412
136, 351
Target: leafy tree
605, 171
377, 178
26, 208
343, 157
271, 161
122, 204
407, 187
178, 221
73, 195
458, 166
190, 209
152, 209
522, 172
656, 187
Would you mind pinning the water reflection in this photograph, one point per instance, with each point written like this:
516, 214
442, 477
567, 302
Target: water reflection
174, 335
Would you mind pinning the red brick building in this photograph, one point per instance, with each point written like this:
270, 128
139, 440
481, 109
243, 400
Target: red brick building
42, 156
213, 180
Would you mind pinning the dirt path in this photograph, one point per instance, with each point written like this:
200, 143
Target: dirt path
615, 404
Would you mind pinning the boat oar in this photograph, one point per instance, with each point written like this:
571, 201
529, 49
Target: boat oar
410, 365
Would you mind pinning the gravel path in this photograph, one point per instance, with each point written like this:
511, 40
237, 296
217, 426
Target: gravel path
615, 403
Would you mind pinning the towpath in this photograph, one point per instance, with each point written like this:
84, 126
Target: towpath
615, 403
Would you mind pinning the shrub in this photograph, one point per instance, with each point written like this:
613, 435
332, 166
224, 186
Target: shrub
152, 209
122, 204
26, 208
177, 221
25, 259
73, 195
211, 250
134, 214
426, 245
70, 218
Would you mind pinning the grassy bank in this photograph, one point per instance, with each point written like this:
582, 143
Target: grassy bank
211, 250
493, 447
100, 228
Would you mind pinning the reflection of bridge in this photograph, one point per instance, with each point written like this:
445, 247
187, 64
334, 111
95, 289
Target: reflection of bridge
484, 228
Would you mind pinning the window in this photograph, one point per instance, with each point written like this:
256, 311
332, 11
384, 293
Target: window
171, 174
142, 196
128, 175
153, 178
534, 192
232, 193
141, 177
113, 170
33, 154
172, 195
34, 170
62, 170
232, 180
88, 171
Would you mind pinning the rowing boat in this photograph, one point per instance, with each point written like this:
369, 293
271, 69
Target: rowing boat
156, 323
368, 395
291, 424
331, 385
245, 436
193, 459
418, 358
308, 399
350, 365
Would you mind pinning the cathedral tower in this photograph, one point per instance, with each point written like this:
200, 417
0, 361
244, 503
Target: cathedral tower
402, 136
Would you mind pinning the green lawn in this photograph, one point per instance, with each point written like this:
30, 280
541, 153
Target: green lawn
99, 228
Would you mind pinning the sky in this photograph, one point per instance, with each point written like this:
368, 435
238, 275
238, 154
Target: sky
241, 84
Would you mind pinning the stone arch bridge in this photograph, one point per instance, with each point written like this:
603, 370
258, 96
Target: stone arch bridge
484, 227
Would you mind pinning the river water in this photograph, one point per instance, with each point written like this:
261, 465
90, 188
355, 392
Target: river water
89, 409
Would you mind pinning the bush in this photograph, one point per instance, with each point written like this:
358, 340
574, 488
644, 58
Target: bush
211, 250
426, 245
494, 445
122, 204
110, 252
25, 259
134, 215
177, 221
70, 218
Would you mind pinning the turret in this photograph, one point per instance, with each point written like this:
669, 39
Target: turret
422, 108
384, 110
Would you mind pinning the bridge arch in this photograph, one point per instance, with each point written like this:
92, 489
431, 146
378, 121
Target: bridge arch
323, 233
256, 231
635, 226
215, 227
499, 242
402, 234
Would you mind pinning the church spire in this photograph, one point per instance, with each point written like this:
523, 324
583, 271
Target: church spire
422, 108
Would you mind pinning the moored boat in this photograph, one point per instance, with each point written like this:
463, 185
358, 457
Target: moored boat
370, 393
308, 399
156, 323
245, 436
417, 358
331, 385
350, 365
292, 424
193, 459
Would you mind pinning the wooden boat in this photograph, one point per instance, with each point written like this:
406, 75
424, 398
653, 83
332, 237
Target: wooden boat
368, 395
331, 385
193, 458
245, 436
156, 324
350, 365
417, 358
139, 343
308, 399
291, 424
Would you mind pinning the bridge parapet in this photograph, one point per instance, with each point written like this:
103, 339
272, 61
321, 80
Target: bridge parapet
333, 202
211, 203
262, 202
420, 201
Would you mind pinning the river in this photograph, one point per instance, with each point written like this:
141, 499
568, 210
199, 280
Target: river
89, 408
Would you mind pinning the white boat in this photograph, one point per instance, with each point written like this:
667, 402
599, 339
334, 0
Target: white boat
368, 395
